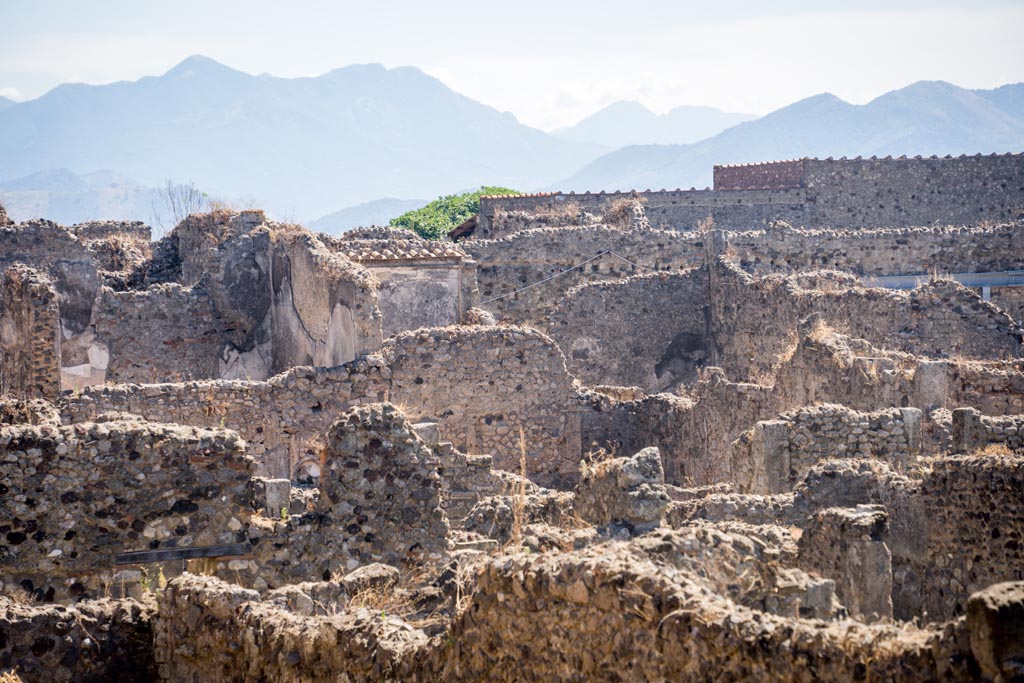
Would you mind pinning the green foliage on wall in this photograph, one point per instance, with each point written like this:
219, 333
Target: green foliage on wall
437, 218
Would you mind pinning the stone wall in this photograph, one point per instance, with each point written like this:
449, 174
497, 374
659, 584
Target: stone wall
487, 388
886, 192
971, 431
665, 209
75, 496
749, 324
954, 530
924, 251
604, 617
29, 334
531, 257
974, 512
96, 640
848, 546
854, 193
571, 256
669, 325
381, 486
481, 385
776, 454
166, 333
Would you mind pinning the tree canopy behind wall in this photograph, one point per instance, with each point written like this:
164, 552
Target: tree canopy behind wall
440, 216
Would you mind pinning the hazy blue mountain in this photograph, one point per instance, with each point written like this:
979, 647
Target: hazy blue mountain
300, 146
377, 212
929, 117
5, 102
631, 123
66, 197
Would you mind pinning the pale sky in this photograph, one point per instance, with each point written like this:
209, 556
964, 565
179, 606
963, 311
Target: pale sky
549, 63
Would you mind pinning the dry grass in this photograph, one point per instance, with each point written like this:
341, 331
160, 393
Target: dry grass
10, 677
568, 212
706, 224
620, 212
993, 449
820, 332
519, 496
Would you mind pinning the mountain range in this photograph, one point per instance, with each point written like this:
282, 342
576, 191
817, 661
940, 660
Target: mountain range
928, 117
377, 212
304, 147
300, 146
625, 123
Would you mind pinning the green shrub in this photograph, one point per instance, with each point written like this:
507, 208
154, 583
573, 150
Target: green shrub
439, 217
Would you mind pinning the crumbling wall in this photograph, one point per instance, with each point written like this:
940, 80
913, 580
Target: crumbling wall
48, 247
380, 484
166, 333
602, 617
479, 384
753, 318
653, 331
324, 308
29, 334
954, 530
750, 324
494, 390
848, 546
775, 454
600, 252
279, 296
664, 209
974, 509
95, 640
199, 616
972, 431
75, 496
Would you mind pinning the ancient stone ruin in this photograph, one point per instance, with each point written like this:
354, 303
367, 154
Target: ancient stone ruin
772, 431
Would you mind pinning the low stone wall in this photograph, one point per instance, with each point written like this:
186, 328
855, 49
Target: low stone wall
29, 334
601, 618
96, 640
953, 531
75, 496
775, 455
380, 485
848, 546
974, 512
972, 431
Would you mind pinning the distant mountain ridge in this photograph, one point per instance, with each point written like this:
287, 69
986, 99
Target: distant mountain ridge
924, 118
625, 123
303, 147
300, 146
377, 212
66, 197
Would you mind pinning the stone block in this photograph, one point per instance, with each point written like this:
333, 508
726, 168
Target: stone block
277, 496
995, 621
624, 490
